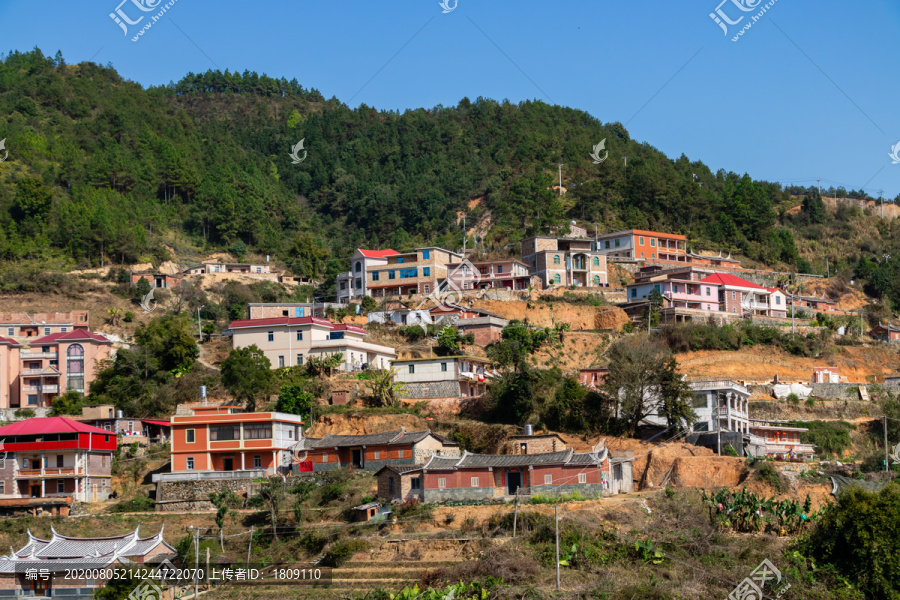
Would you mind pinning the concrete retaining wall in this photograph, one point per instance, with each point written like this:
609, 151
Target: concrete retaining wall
194, 495
831, 391
433, 389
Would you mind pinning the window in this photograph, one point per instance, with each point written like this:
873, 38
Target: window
548, 479
596, 280
46, 331
707, 292
426, 254
258, 431
10, 331
596, 261
442, 482
474, 482
733, 295
400, 453
443, 367
59, 461
656, 287
299, 312
190, 463
271, 336
499, 269
777, 299
257, 461
225, 433
189, 436
74, 368
299, 336
391, 485
32, 399
358, 267
324, 457
2, 487
634, 292
375, 276
284, 313
640, 240
606, 244
556, 278
653, 242
280, 362
400, 260
582, 478
105, 438
412, 368
377, 455
299, 360
409, 273
336, 335
556, 259
60, 487
426, 271
415, 483
357, 283
259, 269
391, 275
427, 288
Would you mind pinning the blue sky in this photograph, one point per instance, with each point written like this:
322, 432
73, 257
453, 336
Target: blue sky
805, 93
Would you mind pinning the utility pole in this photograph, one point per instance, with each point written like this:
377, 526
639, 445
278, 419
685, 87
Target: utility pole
885, 433
819, 185
560, 179
625, 158
465, 237
199, 328
881, 197
556, 513
196, 560
719, 398
249, 545
516, 513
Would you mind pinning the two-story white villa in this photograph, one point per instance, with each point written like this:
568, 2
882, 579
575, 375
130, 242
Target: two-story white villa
351, 285
443, 377
290, 341
509, 273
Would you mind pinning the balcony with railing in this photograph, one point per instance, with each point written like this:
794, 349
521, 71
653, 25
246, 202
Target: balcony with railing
25, 354
49, 472
734, 413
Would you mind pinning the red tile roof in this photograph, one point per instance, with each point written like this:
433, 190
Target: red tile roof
71, 336
732, 280
342, 327
289, 321
378, 253
40, 425
9, 341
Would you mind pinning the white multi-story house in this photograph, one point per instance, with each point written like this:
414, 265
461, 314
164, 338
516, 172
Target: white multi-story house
443, 377
352, 284
290, 341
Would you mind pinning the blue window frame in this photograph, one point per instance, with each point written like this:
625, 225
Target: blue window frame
407, 273
336, 335
426, 271
375, 276
426, 254
391, 275
299, 311
400, 260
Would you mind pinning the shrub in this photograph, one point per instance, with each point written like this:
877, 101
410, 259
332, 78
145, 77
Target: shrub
129, 316
793, 398
769, 474
24, 413
341, 551
858, 536
139, 504
729, 450
829, 437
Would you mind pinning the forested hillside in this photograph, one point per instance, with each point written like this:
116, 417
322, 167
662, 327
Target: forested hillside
102, 170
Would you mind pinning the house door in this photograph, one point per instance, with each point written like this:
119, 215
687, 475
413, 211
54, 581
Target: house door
617, 478
513, 481
356, 458
35, 491
228, 464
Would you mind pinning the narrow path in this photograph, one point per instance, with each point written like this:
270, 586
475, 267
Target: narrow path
203, 362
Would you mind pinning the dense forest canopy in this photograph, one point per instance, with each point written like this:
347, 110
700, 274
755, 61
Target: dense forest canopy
102, 170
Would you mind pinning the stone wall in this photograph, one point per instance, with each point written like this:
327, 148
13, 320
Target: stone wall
9, 414
194, 495
820, 410
458, 494
829, 391
433, 389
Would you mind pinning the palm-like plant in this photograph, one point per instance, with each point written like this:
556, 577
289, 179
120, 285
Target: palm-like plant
385, 391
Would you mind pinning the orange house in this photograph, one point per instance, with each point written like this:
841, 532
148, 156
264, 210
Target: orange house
225, 438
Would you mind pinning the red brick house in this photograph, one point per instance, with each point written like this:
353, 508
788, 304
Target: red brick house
374, 451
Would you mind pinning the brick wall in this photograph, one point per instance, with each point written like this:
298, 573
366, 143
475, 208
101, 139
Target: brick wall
538, 445
6, 473
99, 463
402, 486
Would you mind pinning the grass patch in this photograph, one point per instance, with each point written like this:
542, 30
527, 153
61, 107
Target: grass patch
769, 474
341, 551
829, 437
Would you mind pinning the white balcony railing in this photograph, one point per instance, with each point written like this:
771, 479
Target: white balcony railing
50, 389
27, 355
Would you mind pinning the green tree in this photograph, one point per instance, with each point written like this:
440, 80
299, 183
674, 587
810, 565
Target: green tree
247, 373
635, 366
69, 403
170, 339
517, 341
294, 400
308, 257
272, 493
450, 341
675, 397
141, 288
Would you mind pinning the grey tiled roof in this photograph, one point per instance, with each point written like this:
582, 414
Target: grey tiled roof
390, 437
400, 469
64, 547
441, 462
515, 460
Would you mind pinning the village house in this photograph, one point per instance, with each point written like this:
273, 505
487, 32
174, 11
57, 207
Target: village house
32, 325
536, 443
782, 441
157, 279
486, 327
210, 267
53, 561
443, 377
721, 403
54, 458
885, 333
593, 377
417, 272
815, 304
401, 316
352, 284
640, 244
374, 451
290, 341
474, 477
508, 273
220, 439
742, 297
565, 262
35, 370
826, 375
679, 288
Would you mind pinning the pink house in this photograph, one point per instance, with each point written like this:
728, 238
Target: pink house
742, 297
